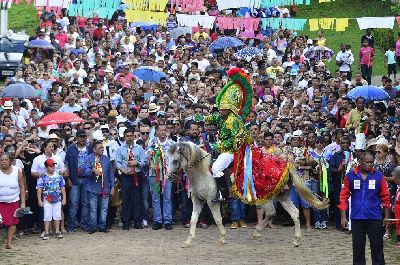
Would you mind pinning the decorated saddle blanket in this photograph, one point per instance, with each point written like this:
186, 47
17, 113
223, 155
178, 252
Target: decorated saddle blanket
258, 177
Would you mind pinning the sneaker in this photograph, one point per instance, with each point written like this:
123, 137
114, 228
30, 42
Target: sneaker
157, 226
242, 224
202, 224
323, 225
42, 234
46, 237
58, 235
235, 225
186, 224
145, 224
317, 225
168, 226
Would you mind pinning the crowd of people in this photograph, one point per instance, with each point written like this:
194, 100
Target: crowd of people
110, 169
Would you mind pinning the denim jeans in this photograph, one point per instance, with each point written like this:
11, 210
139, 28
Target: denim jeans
319, 215
161, 213
187, 206
131, 199
78, 194
98, 207
237, 208
145, 197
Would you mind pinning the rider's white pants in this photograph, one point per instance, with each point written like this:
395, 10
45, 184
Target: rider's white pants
222, 162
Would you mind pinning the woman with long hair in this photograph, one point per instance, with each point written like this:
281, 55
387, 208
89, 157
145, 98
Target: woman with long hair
384, 165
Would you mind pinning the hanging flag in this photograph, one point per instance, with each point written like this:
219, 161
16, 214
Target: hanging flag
342, 24
294, 23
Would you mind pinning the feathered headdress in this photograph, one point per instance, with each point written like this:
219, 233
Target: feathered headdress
237, 94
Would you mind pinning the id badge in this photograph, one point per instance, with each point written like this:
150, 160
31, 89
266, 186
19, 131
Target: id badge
371, 184
357, 184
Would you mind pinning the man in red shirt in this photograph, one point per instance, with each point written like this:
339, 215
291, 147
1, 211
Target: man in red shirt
61, 36
367, 55
99, 33
369, 191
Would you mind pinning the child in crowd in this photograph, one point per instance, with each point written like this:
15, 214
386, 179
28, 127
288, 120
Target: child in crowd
390, 61
51, 194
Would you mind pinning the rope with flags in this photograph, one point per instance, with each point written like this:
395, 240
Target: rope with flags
98, 167
158, 162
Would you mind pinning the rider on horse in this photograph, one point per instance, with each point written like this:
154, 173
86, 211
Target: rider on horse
234, 102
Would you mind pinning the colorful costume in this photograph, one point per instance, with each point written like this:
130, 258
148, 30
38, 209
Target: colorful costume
257, 177
234, 96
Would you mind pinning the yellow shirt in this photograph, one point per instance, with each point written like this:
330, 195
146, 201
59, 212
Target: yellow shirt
354, 118
197, 35
322, 42
274, 71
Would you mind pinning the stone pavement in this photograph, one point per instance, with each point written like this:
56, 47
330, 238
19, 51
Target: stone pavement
322, 247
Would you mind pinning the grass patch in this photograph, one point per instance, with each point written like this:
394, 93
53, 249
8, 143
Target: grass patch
352, 35
22, 17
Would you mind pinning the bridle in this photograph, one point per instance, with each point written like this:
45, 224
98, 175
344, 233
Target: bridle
175, 175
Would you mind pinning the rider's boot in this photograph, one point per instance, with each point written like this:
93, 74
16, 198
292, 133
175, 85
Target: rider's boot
223, 190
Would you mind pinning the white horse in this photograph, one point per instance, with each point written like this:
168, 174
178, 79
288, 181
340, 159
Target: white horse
190, 158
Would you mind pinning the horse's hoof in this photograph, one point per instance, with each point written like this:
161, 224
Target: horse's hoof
256, 235
296, 243
185, 245
222, 242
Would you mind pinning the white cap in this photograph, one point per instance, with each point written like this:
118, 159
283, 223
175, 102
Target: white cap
98, 135
53, 136
105, 126
297, 133
121, 131
382, 140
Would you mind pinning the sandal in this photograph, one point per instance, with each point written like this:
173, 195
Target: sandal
386, 236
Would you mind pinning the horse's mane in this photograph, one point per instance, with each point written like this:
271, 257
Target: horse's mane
194, 153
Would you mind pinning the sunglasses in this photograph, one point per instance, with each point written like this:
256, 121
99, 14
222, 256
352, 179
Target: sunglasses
143, 133
378, 152
114, 134
87, 128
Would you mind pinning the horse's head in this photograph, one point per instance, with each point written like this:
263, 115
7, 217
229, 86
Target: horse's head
178, 158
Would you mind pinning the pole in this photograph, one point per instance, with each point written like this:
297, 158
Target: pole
4, 6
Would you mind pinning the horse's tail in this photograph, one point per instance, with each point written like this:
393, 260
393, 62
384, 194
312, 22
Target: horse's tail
305, 192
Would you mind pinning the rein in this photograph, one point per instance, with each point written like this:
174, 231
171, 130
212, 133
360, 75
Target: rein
192, 165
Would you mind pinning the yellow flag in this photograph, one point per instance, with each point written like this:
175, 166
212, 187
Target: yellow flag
342, 24
313, 24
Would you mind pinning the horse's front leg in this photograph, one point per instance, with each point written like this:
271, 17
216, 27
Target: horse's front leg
197, 206
216, 212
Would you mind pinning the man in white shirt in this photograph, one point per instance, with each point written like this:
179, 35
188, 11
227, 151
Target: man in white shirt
71, 107
201, 61
77, 70
304, 82
271, 54
344, 59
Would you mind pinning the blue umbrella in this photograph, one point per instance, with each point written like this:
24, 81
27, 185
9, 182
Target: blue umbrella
225, 42
248, 53
369, 93
148, 73
19, 90
41, 44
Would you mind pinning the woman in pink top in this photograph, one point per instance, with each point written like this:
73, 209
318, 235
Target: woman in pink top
366, 57
398, 49
81, 22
